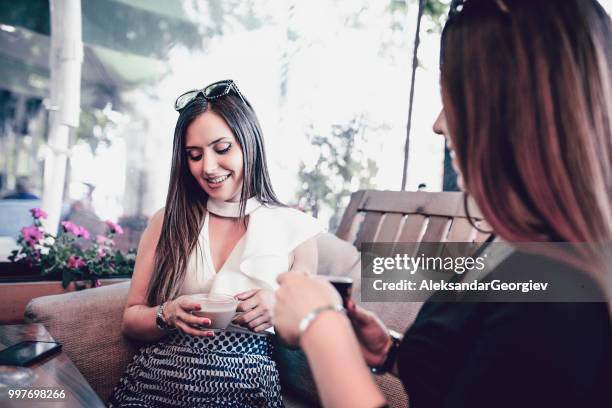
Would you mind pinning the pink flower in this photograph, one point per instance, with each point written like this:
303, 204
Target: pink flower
82, 232
104, 241
114, 228
75, 262
70, 227
101, 253
38, 213
32, 235
76, 230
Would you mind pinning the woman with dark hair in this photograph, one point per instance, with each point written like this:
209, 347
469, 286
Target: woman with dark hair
527, 96
223, 231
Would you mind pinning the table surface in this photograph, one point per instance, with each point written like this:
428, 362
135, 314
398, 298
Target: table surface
55, 371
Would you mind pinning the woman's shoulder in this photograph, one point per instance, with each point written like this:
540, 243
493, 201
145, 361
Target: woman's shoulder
541, 295
559, 279
150, 236
155, 223
573, 299
158, 218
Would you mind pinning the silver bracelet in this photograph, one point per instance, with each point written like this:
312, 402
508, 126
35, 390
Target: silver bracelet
310, 317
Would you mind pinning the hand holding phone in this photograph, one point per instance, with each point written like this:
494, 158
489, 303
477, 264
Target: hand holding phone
344, 286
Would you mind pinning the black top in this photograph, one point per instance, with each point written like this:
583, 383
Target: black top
509, 354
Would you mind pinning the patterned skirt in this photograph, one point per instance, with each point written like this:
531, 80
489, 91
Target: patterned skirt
232, 369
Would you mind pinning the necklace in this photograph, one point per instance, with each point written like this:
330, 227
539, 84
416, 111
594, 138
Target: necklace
231, 209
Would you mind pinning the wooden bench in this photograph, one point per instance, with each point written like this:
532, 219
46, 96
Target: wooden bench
402, 216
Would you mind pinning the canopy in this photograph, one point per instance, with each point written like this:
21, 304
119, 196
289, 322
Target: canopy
133, 52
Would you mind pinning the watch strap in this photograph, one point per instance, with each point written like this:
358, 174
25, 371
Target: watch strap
160, 321
391, 357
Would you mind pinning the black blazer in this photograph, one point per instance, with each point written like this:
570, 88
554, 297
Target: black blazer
509, 354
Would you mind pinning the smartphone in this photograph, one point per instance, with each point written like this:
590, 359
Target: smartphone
28, 352
344, 286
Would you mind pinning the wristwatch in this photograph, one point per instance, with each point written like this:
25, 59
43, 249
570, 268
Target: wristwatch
387, 365
160, 321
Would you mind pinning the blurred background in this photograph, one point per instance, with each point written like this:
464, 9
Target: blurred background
329, 79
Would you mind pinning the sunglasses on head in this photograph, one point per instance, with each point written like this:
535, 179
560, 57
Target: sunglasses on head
457, 5
209, 93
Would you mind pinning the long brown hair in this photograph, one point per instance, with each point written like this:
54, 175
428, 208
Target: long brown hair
527, 91
186, 200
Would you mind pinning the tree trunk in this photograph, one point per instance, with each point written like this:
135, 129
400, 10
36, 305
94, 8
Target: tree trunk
65, 61
415, 64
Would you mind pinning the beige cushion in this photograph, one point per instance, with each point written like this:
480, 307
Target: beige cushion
337, 257
88, 324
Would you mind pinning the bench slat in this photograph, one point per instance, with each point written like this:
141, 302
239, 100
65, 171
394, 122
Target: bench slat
448, 204
413, 228
390, 227
437, 229
369, 228
347, 226
461, 231
435, 234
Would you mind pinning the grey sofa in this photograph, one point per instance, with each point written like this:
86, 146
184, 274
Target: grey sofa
88, 324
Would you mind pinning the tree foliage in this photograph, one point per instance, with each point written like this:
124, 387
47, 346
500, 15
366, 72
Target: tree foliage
341, 168
96, 126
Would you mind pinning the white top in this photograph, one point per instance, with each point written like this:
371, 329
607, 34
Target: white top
261, 254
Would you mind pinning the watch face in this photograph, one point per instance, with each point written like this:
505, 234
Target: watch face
159, 320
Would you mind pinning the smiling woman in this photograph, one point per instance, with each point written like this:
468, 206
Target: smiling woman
223, 233
214, 157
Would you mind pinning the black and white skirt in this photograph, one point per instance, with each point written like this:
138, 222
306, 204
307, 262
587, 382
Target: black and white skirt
232, 369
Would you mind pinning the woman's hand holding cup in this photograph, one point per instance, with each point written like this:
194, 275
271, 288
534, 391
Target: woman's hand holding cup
297, 296
257, 307
178, 314
372, 333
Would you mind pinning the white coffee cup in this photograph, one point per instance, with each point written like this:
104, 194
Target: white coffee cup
217, 307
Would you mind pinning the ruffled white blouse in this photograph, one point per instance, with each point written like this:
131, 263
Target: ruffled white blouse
261, 254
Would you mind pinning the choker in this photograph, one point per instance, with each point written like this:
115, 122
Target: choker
231, 209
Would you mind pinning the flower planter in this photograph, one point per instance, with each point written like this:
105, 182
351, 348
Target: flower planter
11, 272
19, 284
71, 260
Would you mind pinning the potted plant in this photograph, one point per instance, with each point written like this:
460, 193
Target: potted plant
73, 255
